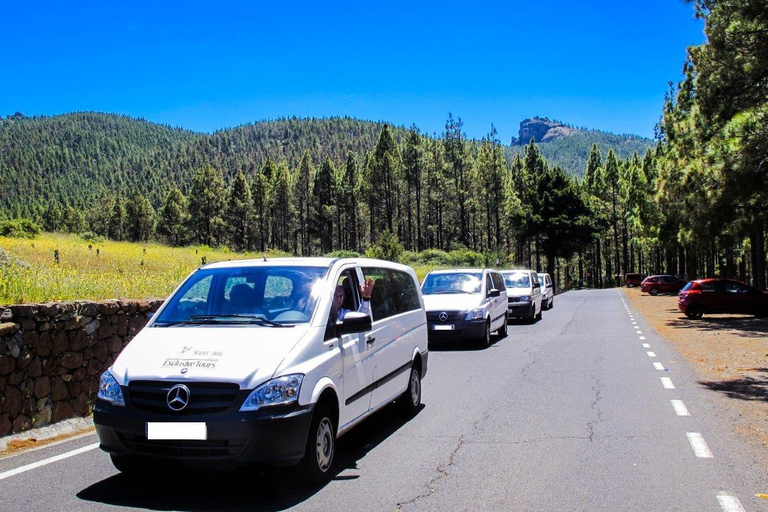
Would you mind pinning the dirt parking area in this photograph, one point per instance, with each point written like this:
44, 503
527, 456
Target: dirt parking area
729, 354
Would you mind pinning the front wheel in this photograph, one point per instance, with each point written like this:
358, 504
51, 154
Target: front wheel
654, 291
485, 340
127, 465
315, 467
410, 400
694, 312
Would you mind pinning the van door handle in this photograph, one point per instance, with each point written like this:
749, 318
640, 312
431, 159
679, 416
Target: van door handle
370, 340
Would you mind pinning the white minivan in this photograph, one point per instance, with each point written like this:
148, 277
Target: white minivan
547, 291
465, 303
524, 292
265, 361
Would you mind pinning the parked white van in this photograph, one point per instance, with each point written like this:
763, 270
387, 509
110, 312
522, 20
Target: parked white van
547, 291
465, 303
524, 292
246, 362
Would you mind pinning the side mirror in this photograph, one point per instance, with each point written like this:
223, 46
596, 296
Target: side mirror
353, 322
494, 292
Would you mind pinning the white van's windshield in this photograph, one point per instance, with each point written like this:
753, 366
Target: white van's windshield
271, 296
517, 280
454, 282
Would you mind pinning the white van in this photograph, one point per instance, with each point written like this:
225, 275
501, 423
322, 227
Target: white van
246, 363
524, 292
465, 303
547, 291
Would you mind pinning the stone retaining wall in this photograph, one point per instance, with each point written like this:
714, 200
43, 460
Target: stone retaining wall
52, 355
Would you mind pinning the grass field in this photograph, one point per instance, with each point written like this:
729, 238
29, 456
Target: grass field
30, 273
86, 270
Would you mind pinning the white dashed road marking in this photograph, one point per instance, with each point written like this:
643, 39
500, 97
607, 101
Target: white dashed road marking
729, 503
651, 354
680, 408
642, 337
667, 383
699, 446
646, 345
659, 367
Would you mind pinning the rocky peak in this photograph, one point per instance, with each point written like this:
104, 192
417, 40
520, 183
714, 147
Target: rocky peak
541, 129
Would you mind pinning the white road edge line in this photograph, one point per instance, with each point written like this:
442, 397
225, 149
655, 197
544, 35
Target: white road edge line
667, 383
680, 408
699, 445
45, 462
729, 503
659, 367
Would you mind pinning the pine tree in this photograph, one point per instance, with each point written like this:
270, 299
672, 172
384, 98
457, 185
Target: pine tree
206, 204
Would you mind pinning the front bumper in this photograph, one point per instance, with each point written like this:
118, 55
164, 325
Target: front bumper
521, 310
273, 436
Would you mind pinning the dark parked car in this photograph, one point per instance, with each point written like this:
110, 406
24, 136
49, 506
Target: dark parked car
721, 296
632, 279
661, 284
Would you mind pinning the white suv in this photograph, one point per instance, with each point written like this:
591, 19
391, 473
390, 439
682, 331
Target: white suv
246, 362
465, 303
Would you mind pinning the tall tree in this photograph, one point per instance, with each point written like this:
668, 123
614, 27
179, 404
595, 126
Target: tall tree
174, 218
206, 204
238, 213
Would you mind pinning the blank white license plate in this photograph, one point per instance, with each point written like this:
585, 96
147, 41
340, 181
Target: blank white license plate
442, 327
177, 431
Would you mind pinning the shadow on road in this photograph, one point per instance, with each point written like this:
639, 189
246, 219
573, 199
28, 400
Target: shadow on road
259, 489
747, 388
742, 325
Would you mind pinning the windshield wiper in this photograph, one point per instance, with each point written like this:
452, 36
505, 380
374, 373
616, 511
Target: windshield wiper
218, 319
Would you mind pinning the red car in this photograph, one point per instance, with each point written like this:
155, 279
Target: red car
661, 284
721, 296
632, 279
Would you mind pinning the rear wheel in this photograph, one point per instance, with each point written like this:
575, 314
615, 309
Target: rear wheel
410, 400
541, 308
503, 330
315, 467
630, 285
694, 312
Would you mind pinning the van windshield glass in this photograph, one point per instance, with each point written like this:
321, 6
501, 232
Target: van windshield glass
266, 296
455, 282
517, 280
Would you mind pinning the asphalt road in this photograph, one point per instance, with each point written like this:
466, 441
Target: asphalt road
572, 413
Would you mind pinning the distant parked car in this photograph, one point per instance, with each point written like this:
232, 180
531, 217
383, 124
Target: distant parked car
632, 279
524, 292
661, 284
721, 296
547, 291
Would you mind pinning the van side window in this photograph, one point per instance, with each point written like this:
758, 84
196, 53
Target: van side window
498, 281
394, 292
488, 283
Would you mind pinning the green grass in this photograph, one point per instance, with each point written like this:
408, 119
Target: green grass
88, 270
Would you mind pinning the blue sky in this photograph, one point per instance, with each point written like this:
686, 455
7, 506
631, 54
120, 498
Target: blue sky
214, 65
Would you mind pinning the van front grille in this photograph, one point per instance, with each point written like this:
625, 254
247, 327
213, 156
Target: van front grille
204, 397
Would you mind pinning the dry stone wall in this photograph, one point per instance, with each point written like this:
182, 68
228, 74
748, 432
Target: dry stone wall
52, 355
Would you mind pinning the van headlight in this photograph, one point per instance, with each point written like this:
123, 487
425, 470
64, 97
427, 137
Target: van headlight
109, 390
280, 391
475, 314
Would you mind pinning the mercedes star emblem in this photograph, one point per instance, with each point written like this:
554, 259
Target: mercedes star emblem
178, 397
443, 316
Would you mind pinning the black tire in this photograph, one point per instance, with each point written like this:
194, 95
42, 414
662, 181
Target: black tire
551, 303
128, 466
630, 285
654, 291
315, 468
485, 340
694, 312
541, 308
504, 331
410, 400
